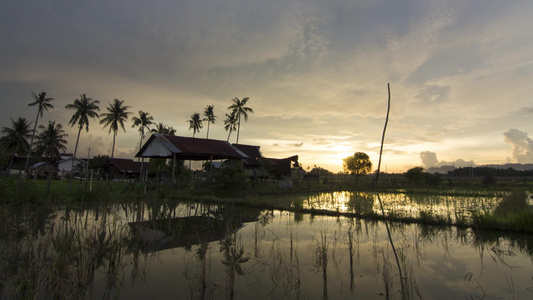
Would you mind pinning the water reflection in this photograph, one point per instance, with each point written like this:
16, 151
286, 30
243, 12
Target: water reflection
451, 209
191, 251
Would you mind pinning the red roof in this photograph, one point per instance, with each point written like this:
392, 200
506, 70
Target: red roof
253, 153
189, 148
125, 165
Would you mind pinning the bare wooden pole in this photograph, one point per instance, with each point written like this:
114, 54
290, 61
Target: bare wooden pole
383, 136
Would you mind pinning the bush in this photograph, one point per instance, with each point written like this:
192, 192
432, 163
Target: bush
512, 203
231, 179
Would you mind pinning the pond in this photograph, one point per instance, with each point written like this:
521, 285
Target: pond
168, 250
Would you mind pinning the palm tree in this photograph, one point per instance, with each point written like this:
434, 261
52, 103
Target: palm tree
85, 108
239, 107
164, 129
50, 143
15, 138
115, 117
144, 120
230, 123
42, 104
195, 123
209, 117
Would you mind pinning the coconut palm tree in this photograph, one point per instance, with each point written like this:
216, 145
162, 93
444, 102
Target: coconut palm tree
85, 109
42, 104
50, 143
144, 120
117, 114
240, 109
209, 117
15, 138
164, 129
230, 124
195, 123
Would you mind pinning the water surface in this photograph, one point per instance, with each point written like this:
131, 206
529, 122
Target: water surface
190, 251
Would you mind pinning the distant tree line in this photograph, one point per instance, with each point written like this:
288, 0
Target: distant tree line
489, 171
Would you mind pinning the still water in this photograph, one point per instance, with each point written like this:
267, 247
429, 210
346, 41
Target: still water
191, 251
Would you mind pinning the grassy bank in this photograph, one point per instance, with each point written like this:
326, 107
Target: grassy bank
512, 214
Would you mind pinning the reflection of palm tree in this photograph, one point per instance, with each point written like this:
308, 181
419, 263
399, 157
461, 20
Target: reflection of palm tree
233, 253
195, 123
230, 123
50, 142
117, 114
240, 109
15, 138
42, 104
209, 117
85, 108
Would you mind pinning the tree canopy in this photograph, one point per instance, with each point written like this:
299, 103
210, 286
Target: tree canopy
358, 164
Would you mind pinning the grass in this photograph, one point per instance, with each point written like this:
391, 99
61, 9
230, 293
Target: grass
510, 215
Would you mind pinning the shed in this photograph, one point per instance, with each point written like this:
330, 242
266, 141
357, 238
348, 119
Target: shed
186, 148
124, 167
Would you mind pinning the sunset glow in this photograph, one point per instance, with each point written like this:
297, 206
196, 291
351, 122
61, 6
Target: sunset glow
316, 73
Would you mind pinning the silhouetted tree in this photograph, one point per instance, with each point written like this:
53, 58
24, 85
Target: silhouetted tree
209, 117
240, 109
85, 109
144, 120
230, 123
15, 138
195, 123
164, 129
415, 175
50, 143
42, 103
117, 114
358, 164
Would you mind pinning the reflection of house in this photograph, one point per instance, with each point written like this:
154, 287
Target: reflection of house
124, 168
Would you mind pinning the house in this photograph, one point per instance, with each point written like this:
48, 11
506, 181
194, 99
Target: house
124, 168
262, 167
186, 148
64, 166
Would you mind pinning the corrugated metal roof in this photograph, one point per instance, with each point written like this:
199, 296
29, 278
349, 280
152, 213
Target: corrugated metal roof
253, 153
191, 148
125, 165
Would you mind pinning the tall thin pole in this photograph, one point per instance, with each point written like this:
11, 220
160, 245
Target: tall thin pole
383, 136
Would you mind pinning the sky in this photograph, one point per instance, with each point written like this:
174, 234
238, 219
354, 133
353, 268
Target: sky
316, 73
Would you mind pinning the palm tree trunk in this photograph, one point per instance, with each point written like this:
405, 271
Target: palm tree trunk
238, 130
10, 164
142, 159
31, 142
229, 135
49, 180
74, 159
113, 149
383, 136
207, 136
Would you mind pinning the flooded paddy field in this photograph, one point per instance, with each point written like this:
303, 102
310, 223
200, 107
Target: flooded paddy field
177, 250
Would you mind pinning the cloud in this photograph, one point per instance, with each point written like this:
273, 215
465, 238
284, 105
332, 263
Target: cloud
429, 160
522, 145
434, 93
